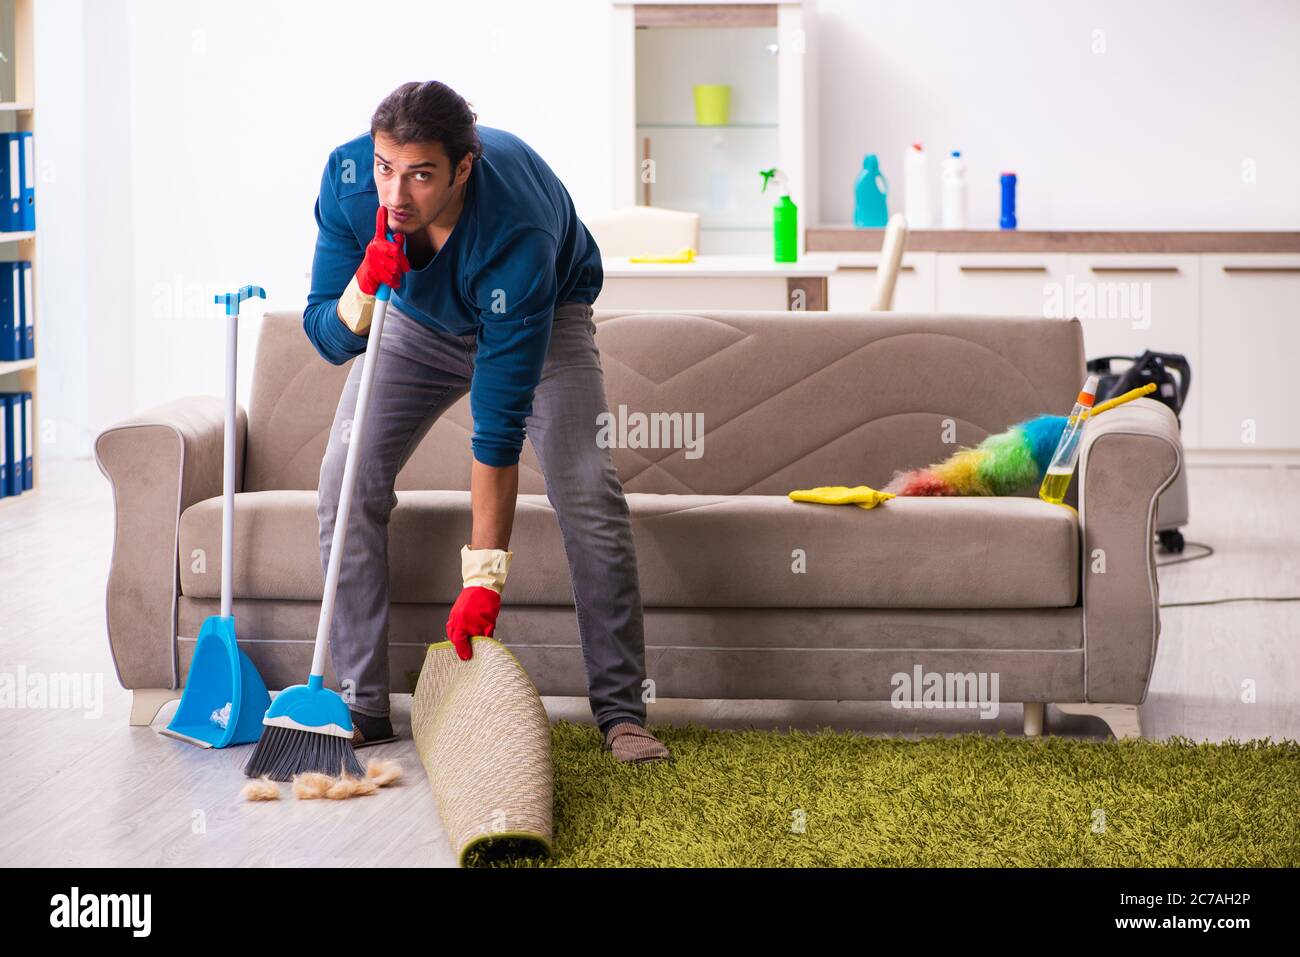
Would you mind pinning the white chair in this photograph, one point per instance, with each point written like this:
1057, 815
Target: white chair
644, 231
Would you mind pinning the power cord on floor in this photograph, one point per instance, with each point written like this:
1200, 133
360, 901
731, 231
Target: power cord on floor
1192, 558
1210, 601
1224, 601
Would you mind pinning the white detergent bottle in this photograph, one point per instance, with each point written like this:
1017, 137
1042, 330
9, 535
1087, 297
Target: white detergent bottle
916, 188
954, 191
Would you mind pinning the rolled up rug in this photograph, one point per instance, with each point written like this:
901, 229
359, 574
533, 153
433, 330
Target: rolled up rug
485, 742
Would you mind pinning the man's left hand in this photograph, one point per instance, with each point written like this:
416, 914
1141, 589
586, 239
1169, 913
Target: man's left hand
475, 613
483, 574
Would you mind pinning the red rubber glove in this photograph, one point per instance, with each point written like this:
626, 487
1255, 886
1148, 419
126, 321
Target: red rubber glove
385, 261
475, 613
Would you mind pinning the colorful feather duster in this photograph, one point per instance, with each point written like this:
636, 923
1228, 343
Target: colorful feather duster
1007, 463
1003, 464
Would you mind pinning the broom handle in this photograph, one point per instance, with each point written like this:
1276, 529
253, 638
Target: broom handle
228, 478
349, 474
232, 302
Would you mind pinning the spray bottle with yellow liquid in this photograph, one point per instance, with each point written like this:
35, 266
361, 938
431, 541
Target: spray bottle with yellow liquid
1057, 480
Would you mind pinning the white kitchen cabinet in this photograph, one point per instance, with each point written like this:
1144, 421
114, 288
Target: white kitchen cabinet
1250, 337
997, 284
716, 282
1129, 302
765, 52
852, 286
684, 294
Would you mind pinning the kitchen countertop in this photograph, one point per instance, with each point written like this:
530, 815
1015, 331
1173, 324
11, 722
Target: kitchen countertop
716, 267
850, 239
830, 248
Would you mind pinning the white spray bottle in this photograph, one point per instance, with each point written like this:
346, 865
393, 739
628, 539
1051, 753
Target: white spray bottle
916, 188
954, 191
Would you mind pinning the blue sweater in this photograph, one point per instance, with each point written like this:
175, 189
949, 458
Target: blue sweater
517, 249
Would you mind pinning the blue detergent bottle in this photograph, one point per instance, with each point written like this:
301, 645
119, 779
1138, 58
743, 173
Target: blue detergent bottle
871, 204
1008, 218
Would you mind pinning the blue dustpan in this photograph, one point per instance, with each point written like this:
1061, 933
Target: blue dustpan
225, 698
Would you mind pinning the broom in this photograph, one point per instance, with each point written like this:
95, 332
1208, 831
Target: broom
308, 727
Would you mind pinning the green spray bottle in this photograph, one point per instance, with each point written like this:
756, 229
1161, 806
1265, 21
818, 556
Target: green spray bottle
785, 219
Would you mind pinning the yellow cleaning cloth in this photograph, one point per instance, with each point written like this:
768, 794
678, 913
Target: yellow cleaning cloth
686, 255
862, 496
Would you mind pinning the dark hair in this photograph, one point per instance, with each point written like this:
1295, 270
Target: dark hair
429, 112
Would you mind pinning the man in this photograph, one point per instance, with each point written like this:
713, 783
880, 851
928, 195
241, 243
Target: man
493, 277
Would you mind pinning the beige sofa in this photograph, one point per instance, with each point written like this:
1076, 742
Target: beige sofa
747, 594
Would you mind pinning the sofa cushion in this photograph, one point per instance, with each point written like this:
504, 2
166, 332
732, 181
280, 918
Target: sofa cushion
692, 551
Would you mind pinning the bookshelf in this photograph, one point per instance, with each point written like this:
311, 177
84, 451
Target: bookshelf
18, 112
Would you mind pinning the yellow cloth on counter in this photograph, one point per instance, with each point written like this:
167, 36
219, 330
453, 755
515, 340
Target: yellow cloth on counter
863, 496
684, 256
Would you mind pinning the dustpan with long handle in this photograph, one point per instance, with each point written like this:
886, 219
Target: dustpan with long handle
312, 707
225, 697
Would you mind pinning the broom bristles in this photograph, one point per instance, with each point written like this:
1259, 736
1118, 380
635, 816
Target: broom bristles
283, 752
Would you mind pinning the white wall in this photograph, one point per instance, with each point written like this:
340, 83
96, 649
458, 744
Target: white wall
62, 253
192, 139
1149, 134
187, 139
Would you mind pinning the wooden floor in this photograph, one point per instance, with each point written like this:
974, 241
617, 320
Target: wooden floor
87, 789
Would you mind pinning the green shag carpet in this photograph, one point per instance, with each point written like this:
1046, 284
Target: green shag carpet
831, 799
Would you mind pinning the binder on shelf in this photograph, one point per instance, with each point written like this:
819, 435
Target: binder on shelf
12, 410
28, 311
11, 182
11, 312
28, 186
29, 443
4, 448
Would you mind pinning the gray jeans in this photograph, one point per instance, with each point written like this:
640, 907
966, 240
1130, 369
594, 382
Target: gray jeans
419, 373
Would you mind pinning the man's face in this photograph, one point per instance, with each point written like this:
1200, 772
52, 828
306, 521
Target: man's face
416, 182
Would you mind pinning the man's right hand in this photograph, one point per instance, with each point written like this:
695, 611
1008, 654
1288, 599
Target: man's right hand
384, 263
385, 260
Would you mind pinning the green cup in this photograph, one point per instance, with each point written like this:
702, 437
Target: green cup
712, 104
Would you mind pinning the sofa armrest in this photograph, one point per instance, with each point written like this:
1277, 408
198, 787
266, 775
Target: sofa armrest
159, 463
1129, 456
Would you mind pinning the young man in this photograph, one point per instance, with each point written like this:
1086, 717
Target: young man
493, 277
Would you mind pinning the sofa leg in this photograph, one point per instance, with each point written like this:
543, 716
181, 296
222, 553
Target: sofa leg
1122, 719
1033, 719
147, 702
